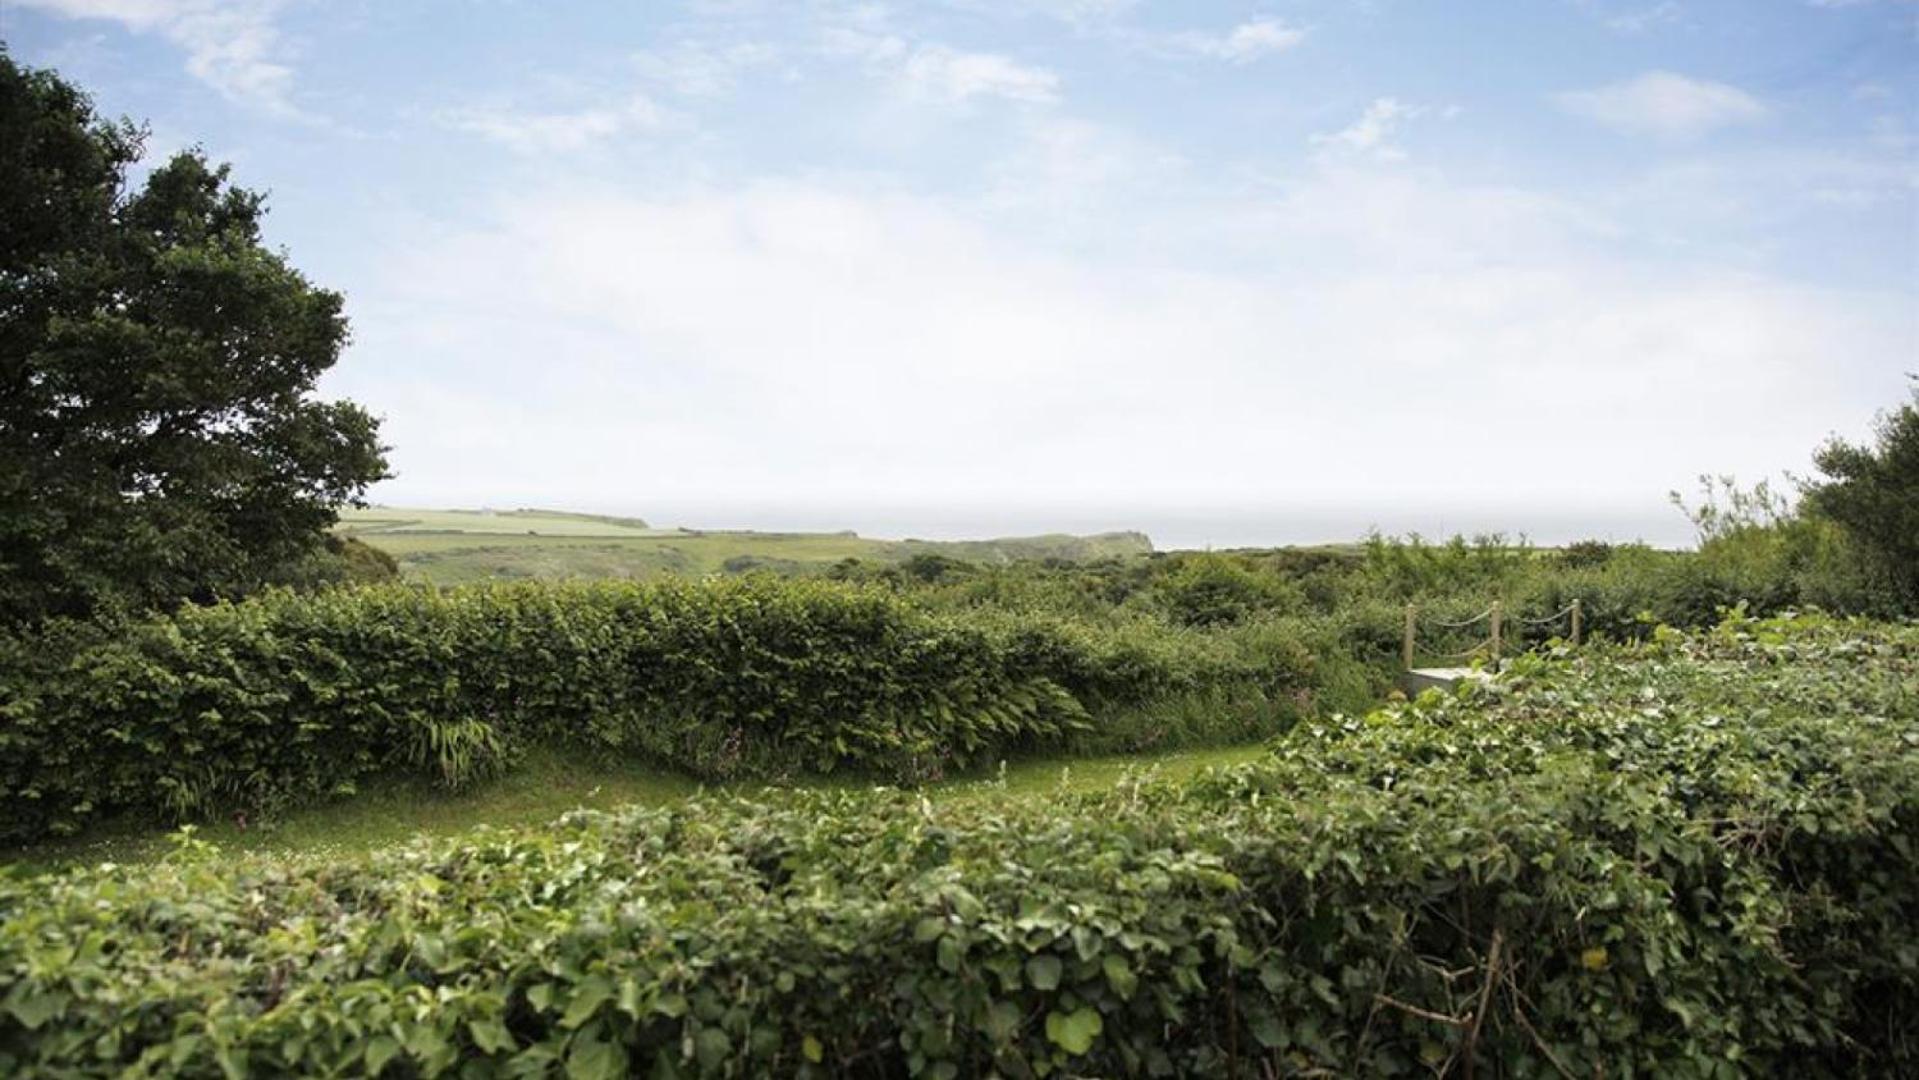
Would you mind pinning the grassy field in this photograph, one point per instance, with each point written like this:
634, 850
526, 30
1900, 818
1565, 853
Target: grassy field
550, 784
451, 547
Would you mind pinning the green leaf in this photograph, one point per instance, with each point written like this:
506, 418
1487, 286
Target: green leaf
711, 1047
591, 1056
490, 1036
1268, 1030
811, 1049
593, 992
1119, 975
1074, 1032
1002, 1021
380, 1050
34, 1010
1042, 972
670, 1005
950, 952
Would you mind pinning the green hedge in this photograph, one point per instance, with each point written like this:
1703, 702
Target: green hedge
290, 697
1691, 858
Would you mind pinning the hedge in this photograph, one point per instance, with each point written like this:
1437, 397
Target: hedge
1688, 858
291, 697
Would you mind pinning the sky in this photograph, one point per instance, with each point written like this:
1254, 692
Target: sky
1230, 273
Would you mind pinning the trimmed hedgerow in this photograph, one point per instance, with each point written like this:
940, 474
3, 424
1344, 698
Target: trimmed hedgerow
289, 697
1690, 857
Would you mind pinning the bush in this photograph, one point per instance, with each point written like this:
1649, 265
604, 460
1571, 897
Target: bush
1691, 857
289, 697
1215, 590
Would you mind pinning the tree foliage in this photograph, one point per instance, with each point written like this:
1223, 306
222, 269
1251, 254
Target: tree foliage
1873, 492
160, 439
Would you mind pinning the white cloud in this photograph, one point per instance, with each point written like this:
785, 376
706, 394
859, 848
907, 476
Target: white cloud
231, 45
903, 348
1640, 20
1371, 134
536, 132
1662, 104
859, 44
1078, 13
940, 73
698, 69
1244, 43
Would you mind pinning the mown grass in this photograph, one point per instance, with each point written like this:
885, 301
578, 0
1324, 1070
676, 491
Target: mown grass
550, 783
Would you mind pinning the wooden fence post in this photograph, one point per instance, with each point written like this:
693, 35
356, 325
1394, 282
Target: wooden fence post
1406, 651
1575, 623
1496, 614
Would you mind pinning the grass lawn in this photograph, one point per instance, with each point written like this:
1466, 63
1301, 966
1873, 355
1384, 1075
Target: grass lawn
548, 784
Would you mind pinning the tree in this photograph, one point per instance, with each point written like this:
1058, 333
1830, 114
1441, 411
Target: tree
1873, 493
160, 440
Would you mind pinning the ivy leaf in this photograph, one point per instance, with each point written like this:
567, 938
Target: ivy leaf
1119, 975
711, 1046
490, 1036
1268, 1030
1002, 1021
949, 954
592, 1057
593, 992
1074, 1032
1043, 972
380, 1050
36, 1009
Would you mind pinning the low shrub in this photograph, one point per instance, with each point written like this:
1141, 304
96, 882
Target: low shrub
1691, 857
285, 697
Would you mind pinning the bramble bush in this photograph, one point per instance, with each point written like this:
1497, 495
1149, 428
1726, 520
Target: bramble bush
291, 697
1689, 857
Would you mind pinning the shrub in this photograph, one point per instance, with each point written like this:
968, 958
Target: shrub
294, 697
1690, 857
1214, 590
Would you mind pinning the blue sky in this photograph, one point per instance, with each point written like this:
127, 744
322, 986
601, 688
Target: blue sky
1231, 272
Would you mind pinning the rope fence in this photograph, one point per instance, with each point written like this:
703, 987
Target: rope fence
1496, 620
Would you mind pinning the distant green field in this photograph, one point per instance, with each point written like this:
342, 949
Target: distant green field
455, 546
386, 520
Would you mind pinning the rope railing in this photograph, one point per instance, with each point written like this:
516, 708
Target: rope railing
1495, 617
1553, 618
1481, 617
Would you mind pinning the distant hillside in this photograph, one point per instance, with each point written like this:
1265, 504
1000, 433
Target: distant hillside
454, 546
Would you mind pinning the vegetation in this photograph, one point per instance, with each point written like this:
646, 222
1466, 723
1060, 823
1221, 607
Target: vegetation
457, 547
1872, 493
290, 697
548, 782
159, 437
1688, 857
1688, 851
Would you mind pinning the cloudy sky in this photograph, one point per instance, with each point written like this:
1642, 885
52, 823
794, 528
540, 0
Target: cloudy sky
1229, 272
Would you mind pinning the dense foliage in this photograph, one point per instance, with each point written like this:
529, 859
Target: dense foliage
1689, 857
1873, 493
288, 696
160, 440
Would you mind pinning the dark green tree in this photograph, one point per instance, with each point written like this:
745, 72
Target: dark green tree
160, 439
1872, 492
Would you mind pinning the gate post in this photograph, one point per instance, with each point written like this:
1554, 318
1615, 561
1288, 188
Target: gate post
1406, 645
1496, 615
1575, 623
